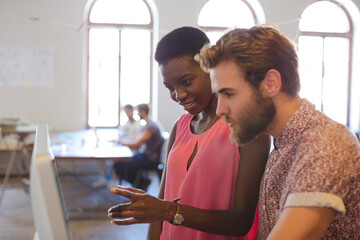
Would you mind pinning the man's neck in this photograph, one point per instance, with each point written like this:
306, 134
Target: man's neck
285, 107
146, 118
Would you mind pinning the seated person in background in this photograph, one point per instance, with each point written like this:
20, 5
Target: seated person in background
209, 189
148, 144
130, 129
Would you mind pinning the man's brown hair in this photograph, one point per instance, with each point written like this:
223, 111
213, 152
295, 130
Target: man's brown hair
256, 51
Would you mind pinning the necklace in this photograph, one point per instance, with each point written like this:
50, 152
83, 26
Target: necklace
212, 122
199, 130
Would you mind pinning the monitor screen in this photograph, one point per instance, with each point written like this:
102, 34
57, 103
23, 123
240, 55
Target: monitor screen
48, 207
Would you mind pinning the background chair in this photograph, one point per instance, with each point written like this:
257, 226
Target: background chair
142, 175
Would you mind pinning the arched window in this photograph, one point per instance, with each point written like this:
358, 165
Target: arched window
217, 16
119, 64
325, 58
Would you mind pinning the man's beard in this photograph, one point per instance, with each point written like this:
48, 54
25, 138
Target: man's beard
253, 120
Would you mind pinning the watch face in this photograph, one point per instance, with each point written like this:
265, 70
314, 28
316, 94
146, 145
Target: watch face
178, 219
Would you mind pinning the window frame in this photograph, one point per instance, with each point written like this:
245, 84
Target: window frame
222, 29
89, 25
348, 35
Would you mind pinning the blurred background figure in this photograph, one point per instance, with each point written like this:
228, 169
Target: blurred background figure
129, 130
132, 127
147, 144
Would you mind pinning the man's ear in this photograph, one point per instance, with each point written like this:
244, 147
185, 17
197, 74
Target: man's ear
271, 85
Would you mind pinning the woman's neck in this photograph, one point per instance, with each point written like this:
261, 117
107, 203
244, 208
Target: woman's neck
210, 111
205, 119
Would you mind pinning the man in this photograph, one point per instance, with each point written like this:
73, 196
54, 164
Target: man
129, 130
148, 144
311, 185
131, 127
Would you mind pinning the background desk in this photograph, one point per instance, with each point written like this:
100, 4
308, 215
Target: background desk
82, 200
89, 145
21, 131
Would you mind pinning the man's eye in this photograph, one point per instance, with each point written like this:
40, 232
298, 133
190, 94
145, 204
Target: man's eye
228, 94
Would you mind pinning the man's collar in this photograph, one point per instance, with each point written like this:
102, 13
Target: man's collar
296, 124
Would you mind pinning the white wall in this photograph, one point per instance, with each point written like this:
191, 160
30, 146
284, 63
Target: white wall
62, 105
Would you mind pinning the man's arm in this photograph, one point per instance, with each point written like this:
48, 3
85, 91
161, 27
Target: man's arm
302, 223
146, 135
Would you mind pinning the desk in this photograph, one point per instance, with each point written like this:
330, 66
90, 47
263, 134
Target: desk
85, 145
89, 145
21, 131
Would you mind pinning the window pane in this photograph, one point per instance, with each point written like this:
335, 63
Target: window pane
310, 50
214, 36
120, 11
336, 61
226, 13
103, 77
324, 16
324, 70
135, 67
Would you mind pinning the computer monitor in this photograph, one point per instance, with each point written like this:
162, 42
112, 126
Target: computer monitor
48, 207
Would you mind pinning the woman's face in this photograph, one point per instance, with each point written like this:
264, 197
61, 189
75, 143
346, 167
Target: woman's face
187, 83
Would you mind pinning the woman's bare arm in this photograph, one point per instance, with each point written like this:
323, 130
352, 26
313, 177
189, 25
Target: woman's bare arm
237, 221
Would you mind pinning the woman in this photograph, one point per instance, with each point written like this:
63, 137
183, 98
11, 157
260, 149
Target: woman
208, 190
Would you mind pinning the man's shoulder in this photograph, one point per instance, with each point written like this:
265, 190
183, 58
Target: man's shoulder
137, 124
326, 139
152, 126
323, 129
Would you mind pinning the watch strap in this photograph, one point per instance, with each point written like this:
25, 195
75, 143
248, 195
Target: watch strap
178, 212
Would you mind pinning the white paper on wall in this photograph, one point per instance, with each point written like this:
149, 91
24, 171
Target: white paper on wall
22, 67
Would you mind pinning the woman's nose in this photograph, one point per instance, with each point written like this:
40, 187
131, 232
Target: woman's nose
180, 95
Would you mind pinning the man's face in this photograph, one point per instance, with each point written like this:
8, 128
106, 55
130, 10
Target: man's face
129, 112
141, 114
245, 109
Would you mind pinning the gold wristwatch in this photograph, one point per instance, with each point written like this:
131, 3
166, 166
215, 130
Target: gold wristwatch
178, 217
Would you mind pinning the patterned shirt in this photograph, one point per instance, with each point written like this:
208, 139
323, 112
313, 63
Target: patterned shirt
315, 163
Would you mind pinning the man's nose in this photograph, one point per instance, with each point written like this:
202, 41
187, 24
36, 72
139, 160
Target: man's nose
221, 109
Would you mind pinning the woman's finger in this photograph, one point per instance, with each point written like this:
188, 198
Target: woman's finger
128, 221
122, 214
125, 193
134, 190
124, 221
119, 207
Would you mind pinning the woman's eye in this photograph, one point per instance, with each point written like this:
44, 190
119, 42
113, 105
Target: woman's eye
186, 82
170, 89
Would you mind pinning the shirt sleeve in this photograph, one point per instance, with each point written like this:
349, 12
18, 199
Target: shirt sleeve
316, 199
321, 177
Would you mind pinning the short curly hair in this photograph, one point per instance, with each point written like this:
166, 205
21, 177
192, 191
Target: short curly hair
181, 42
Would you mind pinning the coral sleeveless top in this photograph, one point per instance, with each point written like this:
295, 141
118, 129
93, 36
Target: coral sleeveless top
209, 182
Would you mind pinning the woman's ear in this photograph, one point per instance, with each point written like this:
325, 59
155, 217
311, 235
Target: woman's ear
271, 85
